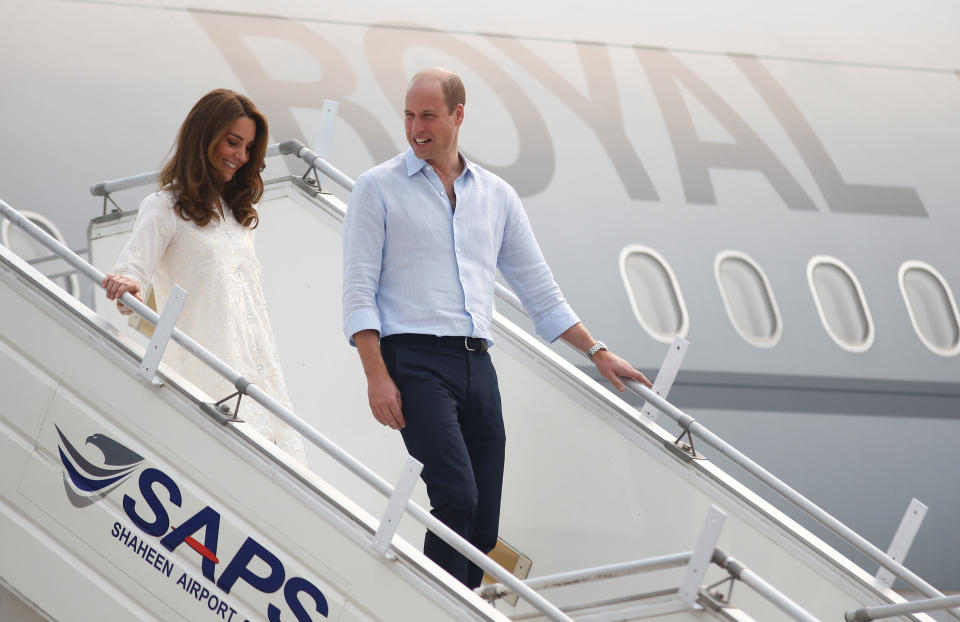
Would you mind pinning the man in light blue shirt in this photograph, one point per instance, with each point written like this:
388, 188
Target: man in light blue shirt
424, 235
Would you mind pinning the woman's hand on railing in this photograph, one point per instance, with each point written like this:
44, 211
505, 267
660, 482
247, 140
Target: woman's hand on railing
116, 286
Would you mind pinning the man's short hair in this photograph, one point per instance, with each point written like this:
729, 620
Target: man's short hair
453, 91
450, 83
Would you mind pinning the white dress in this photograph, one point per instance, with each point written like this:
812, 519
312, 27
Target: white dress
225, 310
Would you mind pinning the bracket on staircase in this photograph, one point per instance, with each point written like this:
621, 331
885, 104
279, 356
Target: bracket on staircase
396, 506
666, 375
161, 335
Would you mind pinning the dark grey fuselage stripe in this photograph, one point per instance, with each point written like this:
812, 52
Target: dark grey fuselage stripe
808, 394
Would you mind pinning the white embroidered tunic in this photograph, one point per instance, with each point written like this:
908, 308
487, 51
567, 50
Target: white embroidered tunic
225, 310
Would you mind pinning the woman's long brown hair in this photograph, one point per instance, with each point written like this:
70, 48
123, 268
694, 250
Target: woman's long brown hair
191, 173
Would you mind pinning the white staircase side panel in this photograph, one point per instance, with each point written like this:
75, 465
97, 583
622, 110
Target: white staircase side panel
70, 553
14, 609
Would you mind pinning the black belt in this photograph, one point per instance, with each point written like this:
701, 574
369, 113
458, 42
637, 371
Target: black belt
472, 344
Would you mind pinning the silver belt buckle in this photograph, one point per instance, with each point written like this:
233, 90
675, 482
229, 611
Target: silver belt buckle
466, 344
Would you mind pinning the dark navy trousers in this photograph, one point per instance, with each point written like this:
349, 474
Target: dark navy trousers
451, 404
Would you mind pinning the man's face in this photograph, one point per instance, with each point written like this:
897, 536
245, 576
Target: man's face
431, 128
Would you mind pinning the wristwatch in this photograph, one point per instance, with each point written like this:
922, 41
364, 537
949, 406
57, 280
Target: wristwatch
596, 348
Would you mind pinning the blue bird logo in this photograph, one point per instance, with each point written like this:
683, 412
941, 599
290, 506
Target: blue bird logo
87, 482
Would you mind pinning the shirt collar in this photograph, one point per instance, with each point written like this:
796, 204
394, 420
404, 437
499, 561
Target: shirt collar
415, 164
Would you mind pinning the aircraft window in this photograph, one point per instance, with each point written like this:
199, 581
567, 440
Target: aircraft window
653, 292
840, 303
748, 298
32, 251
932, 308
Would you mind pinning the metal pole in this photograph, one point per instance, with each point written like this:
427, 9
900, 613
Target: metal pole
597, 573
297, 148
104, 188
611, 571
866, 614
256, 393
766, 590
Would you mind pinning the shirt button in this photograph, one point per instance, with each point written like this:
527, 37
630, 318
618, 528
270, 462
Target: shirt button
458, 249
463, 279
468, 307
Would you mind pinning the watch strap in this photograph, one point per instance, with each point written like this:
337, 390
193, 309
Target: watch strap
599, 345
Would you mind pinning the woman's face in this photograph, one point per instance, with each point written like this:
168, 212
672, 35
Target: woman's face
233, 151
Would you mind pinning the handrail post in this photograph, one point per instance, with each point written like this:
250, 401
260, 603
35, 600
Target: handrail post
903, 539
161, 334
689, 590
397, 505
667, 374
328, 119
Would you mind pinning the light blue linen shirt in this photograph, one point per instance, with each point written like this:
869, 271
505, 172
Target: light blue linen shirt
413, 265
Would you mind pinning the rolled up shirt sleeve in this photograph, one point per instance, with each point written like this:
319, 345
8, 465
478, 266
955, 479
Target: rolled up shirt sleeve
364, 230
522, 264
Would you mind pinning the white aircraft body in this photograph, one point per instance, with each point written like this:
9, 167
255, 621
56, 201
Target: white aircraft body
778, 185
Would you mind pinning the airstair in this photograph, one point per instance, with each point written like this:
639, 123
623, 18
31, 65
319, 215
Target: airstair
128, 494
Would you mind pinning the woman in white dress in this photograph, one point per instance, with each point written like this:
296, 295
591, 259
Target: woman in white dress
197, 232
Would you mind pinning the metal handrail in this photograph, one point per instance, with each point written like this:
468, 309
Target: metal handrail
287, 147
257, 394
865, 614
734, 568
689, 425
106, 188
738, 571
611, 571
297, 148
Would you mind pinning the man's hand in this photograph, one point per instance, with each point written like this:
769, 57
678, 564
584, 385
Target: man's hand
385, 402
116, 286
612, 367
382, 391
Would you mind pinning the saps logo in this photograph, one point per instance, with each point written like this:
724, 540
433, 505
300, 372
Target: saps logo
87, 482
